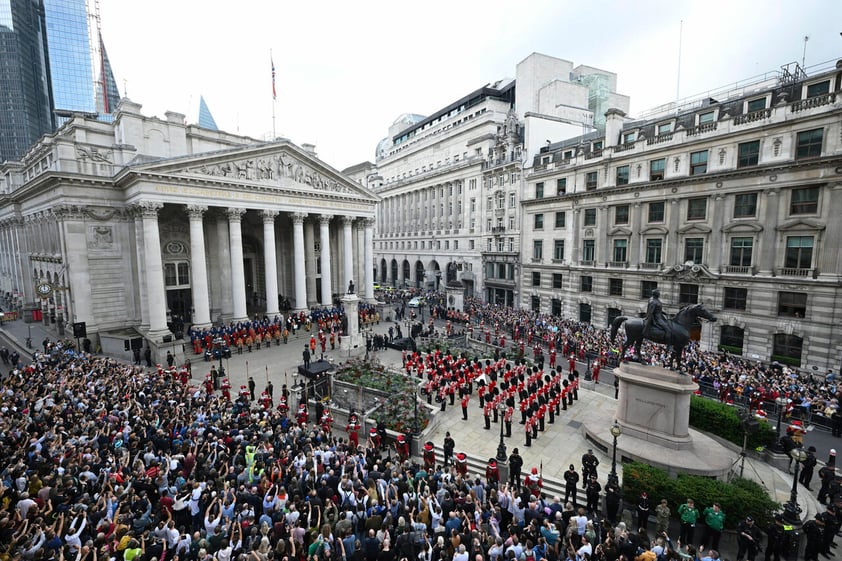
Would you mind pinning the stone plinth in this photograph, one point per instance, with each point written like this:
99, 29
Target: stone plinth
354, 339
654, 404
455, 296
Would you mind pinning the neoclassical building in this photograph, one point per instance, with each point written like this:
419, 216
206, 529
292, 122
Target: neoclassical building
136, 223
451, 182
733, 200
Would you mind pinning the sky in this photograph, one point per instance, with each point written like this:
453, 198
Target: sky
346, 70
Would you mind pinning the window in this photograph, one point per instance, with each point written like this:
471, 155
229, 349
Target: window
176, 274
698, 162
629, 137
536, 303
560, 219
799, 252
622, 175
590, 217
597, 146
512, 200
731, 339
688, 293
539, 190
708, 117
615, 287
787, 349
537, 250
756, 105
586, 283
471, 244
588, 249
646, 288
656, 212
473, 205
656, 169
555, 307
561, 186
809, 144
590, 181
536, 279
665, 128
745, 206
697, 208
815, 90
748, 154
556, 280
792, 304
539, 221
653, 250
735, 298
558, 250
584, 312
741, 250
501, 200
620, 247
804, 201
693, 249
621, 214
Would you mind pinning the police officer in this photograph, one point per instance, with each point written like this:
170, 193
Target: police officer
775, 539
592, 493
571, 479
589, 463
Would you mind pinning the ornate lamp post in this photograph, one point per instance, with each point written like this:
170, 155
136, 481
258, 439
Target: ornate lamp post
218, 346
791, 509
616, 431
501, 448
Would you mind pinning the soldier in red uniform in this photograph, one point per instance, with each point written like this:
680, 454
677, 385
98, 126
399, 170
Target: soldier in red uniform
552, 358
301, 417
226, 389
374, 439
429, 457
492, 473
326, 421
465, 400
283, 407
462, 464
265, 401
572, 363
208, 385
402, 448
353, 430
507, 418
596, 368
533, 482
486, 412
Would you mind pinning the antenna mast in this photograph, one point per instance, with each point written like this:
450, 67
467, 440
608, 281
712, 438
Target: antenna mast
678, 77
804, 53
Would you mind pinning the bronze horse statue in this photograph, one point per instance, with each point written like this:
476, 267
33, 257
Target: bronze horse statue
677, 338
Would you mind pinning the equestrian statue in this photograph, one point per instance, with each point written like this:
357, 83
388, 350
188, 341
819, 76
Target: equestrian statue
658, 328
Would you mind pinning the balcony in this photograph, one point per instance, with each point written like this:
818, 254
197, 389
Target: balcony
593, 154
752, 117
618, 264
586, 263
701, 129
624, 147
498, 230
651, 266
738, 270
796, 272
666, 137
811, 102
537, 259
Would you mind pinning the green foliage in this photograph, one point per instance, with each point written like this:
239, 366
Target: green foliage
788, 360
398, 412
721, 419
738, 499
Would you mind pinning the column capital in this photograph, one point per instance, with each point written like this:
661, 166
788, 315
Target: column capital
369, 222
196, 212
348, 220
325, 218
298, 217
148, 209
268, 216
235, 214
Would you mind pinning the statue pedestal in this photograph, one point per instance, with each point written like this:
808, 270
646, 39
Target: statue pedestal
654, 405
455, 296
352, 339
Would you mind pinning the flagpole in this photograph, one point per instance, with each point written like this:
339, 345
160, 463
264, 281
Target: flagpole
274, 95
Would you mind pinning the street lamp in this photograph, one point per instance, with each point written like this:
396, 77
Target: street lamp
415, 422
791, 509
501, 448
218, 343
616, 431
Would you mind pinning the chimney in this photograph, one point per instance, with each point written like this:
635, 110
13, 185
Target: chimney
613, 126
310, 149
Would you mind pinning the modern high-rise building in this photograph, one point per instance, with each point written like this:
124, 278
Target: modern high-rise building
53, 65
25, 98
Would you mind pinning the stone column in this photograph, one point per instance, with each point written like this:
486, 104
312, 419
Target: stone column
768, 255
310, 263
348, 250
298, 261
270, 262
673, 249
238, 278
324, 237
143, 294
716, 249
199, 267
157, 298
226, 305
368, 260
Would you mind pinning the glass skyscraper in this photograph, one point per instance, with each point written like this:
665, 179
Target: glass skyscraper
25, 98
52, 65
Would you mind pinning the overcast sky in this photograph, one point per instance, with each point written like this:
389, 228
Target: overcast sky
346, 70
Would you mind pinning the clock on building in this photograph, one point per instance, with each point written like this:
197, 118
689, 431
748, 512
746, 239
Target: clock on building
44, 289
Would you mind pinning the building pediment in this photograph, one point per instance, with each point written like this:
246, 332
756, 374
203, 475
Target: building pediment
736, 227
800, 224
279, 165
620, 231
654, 230
694, 229
689, 272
